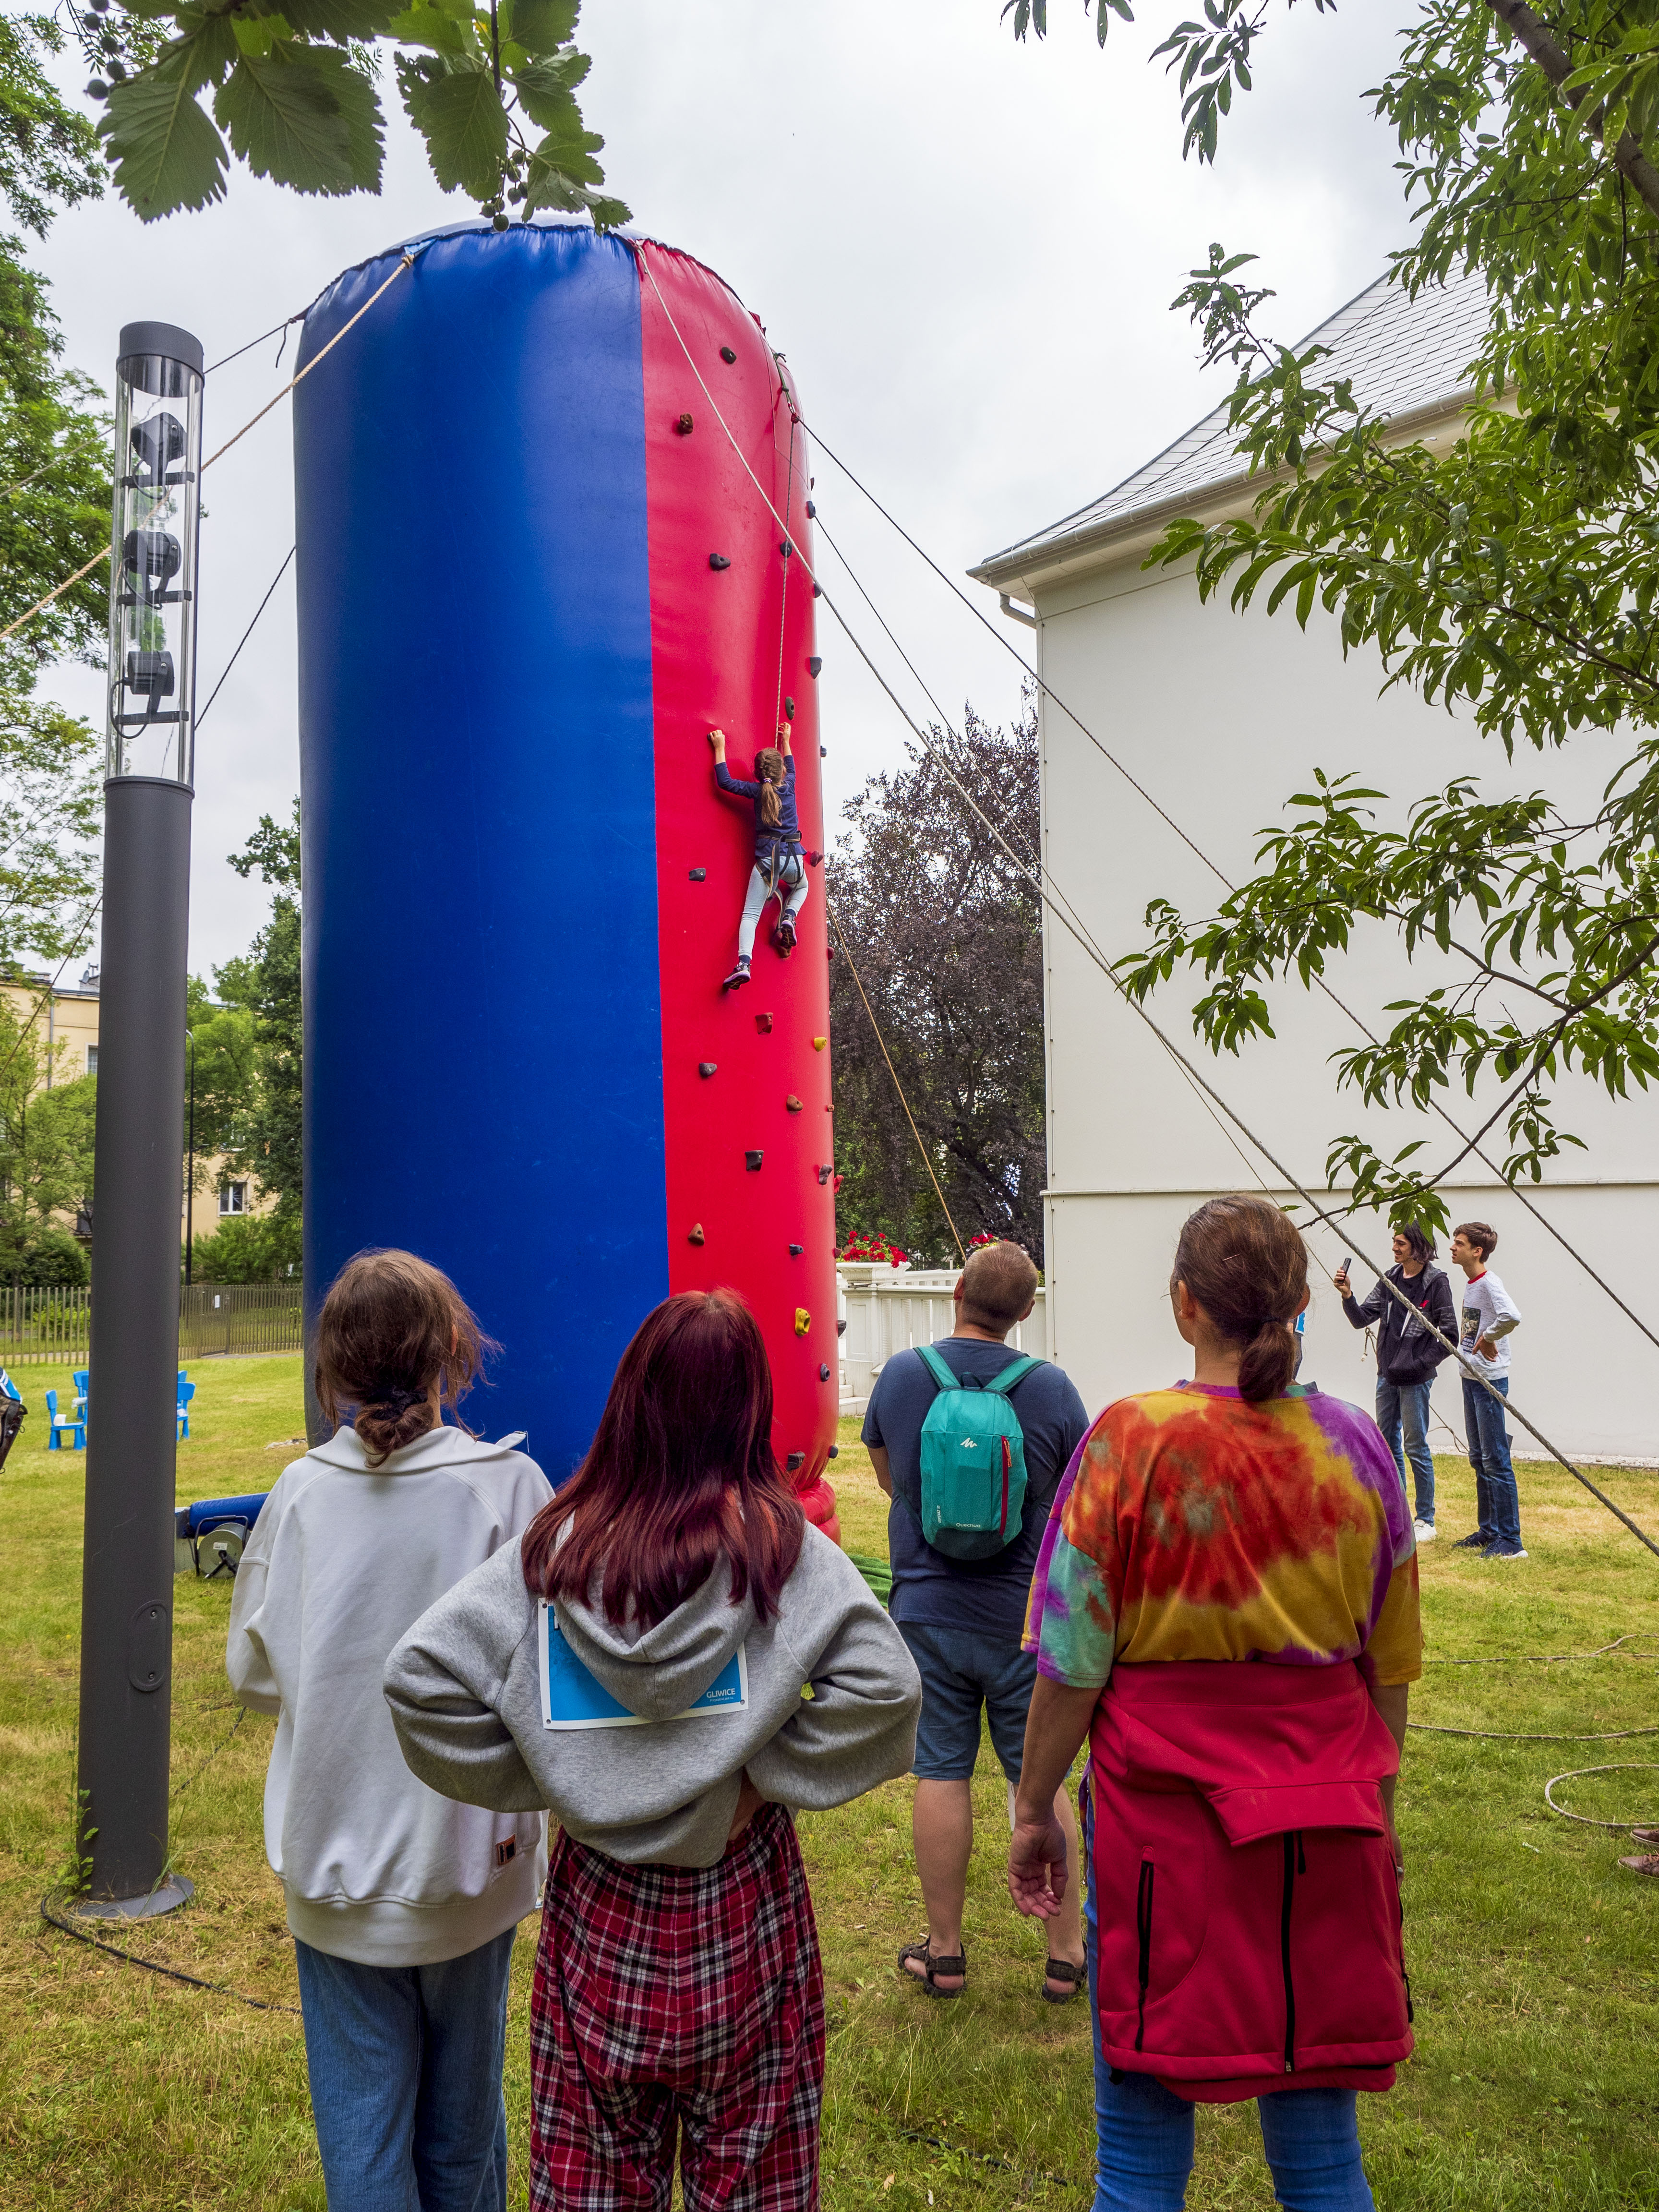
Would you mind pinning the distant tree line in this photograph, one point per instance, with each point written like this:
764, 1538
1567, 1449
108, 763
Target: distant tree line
946, 937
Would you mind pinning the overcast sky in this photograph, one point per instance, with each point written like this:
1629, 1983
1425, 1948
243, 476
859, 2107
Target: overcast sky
966, 247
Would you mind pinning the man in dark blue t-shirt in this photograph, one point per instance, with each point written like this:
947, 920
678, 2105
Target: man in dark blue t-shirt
962, 1620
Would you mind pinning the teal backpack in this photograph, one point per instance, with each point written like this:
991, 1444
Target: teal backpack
973, 1462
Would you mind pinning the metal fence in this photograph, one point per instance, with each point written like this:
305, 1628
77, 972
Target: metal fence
50, 1327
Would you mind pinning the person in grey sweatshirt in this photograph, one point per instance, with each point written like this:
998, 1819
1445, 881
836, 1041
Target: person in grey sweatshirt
402, 1905
673, 1662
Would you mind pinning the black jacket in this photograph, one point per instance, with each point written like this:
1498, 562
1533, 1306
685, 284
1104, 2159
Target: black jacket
1406, 1352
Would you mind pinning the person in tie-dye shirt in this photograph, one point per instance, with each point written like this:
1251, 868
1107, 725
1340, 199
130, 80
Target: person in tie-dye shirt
1192, 1524
1236, 1518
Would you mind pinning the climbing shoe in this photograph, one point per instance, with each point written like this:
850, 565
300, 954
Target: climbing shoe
739, 975
784, 935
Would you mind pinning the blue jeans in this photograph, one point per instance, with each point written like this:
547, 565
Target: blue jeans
1405, 1405
1497, 1500
405, 2067
1144, 2132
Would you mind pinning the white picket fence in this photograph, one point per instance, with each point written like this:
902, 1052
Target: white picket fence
888, 1309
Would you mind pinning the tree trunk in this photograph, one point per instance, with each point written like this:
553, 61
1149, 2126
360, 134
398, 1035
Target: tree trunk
1541, 44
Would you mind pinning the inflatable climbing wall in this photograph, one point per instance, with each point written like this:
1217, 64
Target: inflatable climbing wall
534, 571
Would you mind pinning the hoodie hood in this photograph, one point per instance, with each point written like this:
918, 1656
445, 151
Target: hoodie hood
657, 1673
442, 1446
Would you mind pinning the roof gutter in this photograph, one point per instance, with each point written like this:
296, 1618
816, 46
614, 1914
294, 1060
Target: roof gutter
1026, 570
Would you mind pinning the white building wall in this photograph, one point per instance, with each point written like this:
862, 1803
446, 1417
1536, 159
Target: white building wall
1221, 717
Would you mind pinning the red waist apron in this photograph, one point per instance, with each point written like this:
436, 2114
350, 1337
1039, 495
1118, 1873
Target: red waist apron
1249, 1913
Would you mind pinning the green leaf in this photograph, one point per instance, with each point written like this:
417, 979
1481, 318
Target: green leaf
336, 20
167, 153
541, 27
284, 117
423, 25
546, 98
258, 34
458, 112
360, 105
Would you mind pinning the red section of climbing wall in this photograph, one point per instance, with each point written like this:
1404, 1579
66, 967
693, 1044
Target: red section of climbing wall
730, 647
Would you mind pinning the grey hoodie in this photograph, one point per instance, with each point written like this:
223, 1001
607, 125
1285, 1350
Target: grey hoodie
465, 1693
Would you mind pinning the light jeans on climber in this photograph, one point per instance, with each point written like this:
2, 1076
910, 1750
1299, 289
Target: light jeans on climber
787, 877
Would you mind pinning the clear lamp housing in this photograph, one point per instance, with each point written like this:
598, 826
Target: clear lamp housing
152, 599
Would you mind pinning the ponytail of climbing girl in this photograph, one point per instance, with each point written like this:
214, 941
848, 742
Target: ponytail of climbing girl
1243, 1260
768, 769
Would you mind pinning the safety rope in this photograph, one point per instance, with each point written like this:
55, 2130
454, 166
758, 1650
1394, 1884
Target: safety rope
1221, 877
406, 261
201, 715
784, 550
926, 1159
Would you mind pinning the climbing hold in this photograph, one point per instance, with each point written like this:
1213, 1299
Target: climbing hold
706, 1067
752, 1161
817, 591
834, 1452
764, 1024
811, 510
795, 1251
698, 875
719, 561
815, 664
784, 547
824, 1174
795, 1460
728, 355
684, 426
823, 752
791, 1104
823, 1373
814, 859
818, 1043
803, 1320
696, 1236
788, 708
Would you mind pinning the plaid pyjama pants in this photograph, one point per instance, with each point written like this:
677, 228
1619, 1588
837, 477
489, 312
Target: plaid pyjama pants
679, 1999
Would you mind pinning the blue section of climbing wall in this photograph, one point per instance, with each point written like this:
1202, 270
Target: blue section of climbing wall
483, 1075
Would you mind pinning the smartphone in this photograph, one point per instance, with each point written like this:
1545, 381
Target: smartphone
1347, 1263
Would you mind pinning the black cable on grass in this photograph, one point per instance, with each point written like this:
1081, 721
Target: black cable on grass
150, 1965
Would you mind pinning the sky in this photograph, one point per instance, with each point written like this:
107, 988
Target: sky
966, 247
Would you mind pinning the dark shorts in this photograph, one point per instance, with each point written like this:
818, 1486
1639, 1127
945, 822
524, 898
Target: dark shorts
962, 1671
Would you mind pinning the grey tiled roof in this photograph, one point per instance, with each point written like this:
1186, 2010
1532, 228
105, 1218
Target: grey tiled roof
1402, 354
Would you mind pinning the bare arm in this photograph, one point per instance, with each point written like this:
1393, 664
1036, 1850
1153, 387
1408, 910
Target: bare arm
1055, 1727
1392, 1701
884, 1473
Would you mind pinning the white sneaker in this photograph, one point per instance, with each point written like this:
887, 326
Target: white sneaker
1424, 1532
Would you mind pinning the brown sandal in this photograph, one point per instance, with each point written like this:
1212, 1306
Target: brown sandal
1062, 1970
933, 1963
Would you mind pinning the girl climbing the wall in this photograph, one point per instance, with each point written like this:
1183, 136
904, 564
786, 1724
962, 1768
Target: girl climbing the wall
780, 869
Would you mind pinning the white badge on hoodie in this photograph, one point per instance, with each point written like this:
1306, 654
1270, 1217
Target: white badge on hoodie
572, 1697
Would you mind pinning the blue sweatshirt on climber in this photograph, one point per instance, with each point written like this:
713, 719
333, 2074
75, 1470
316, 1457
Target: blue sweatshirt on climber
786, 837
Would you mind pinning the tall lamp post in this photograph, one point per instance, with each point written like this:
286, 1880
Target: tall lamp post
126, 1588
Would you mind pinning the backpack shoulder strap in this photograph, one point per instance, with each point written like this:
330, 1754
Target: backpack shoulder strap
936, 1367
1013, 1374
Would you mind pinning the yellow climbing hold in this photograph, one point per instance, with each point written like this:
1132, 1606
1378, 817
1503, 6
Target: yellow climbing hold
818, 1043
803, 1320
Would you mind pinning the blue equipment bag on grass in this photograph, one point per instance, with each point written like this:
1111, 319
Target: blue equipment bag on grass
973, 1461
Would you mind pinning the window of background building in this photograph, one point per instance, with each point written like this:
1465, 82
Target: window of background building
232, 1198
92, 1059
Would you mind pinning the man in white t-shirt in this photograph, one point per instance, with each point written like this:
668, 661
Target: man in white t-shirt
1489, 1315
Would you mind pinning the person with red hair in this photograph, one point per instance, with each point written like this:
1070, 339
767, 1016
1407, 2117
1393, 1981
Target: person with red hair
673, 1662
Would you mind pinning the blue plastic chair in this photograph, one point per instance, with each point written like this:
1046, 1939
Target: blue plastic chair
186, 1392
58, 1422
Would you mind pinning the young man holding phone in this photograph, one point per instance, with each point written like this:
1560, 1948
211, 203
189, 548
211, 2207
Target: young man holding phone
1407, 1354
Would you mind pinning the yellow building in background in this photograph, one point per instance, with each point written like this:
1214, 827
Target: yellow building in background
65, 1019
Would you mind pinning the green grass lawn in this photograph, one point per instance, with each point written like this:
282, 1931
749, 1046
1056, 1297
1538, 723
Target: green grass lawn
1533, 1955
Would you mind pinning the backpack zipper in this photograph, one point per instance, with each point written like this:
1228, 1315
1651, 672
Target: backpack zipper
1007, 1464
1143, 1930
1295, 1863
